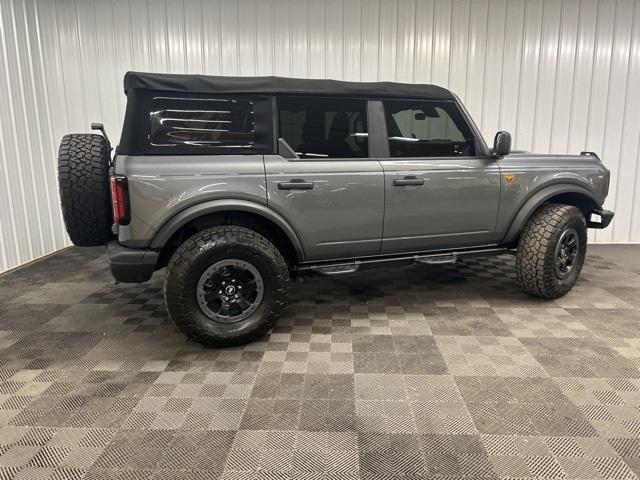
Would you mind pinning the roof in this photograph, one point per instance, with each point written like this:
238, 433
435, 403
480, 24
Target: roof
278, 85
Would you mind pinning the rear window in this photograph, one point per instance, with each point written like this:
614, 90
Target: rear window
219, 124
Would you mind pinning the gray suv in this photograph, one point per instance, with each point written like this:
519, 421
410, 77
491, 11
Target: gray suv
236, 184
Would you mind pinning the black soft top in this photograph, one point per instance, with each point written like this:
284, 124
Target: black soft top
278, 85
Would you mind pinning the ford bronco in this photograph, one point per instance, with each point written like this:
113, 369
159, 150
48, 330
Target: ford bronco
235, 184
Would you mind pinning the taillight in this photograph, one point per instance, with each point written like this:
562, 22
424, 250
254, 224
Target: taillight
120, 200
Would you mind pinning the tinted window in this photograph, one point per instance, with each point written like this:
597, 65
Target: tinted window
427, 129
319, 127
202, 122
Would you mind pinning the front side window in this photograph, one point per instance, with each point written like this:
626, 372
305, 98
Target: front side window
427, 129
324, 128
200, 123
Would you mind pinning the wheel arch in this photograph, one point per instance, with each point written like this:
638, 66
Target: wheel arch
564, 193
228, 212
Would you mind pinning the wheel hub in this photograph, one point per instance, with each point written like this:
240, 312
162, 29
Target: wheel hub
230, 291
566, 253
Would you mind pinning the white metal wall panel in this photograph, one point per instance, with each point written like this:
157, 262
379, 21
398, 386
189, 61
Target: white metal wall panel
561, 75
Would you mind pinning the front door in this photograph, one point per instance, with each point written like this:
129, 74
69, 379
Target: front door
439, 194
333, 193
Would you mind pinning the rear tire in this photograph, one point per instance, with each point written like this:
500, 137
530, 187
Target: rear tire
83, 180
199, 303
551, 251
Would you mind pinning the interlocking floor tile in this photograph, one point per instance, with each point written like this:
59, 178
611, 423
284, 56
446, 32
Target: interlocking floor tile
412, 373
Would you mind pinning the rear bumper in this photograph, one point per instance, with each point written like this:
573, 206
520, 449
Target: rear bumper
605, 219
131, 265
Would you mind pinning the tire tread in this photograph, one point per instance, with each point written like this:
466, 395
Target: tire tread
178, 298
534, 270
83, 181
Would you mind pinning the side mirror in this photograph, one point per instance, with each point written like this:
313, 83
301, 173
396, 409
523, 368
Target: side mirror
502, 144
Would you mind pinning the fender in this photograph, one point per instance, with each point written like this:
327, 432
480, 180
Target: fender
531, 204
185, 216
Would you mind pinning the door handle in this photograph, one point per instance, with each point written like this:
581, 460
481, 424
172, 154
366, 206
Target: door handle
295, 184
407, 181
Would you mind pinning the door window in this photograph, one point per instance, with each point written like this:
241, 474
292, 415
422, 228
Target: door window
324, 128
427, 129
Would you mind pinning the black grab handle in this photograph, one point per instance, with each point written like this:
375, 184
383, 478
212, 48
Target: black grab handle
297, 184
406, 181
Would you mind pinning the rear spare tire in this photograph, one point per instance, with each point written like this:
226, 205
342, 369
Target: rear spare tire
83, 179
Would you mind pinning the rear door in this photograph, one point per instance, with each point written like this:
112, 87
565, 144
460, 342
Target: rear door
333, 194
439, 192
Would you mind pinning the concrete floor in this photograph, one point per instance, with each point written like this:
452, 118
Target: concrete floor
407, 373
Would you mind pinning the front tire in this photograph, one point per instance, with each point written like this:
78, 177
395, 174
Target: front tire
551, 251
204, 286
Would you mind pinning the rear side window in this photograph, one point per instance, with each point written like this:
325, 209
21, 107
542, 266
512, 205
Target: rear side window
323, 127
427, 129
219, 124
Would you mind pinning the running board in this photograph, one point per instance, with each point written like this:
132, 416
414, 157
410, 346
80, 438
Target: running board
437, 259
440, 258
337, 269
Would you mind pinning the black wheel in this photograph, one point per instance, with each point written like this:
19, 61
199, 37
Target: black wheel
83, 180
551, 251
226, 286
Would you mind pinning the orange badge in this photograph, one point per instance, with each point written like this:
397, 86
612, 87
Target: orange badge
509, 178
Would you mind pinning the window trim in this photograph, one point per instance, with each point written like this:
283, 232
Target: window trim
482, 150
276, 127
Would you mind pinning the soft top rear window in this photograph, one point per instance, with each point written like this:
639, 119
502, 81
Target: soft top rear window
202, 122
184, 124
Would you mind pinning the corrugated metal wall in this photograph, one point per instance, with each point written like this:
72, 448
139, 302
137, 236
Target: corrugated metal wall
562, 76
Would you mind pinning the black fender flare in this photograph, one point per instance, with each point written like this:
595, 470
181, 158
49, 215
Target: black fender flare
537, 198
193, 212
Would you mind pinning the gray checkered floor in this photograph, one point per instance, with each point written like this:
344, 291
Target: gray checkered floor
408, 373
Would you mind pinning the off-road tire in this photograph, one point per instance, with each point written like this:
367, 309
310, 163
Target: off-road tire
535, 259
201, 251
83, 180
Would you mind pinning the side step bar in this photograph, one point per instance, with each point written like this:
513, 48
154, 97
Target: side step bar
437, 259
337, 268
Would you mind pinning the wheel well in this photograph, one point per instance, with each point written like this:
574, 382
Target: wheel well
255, 222
585, 203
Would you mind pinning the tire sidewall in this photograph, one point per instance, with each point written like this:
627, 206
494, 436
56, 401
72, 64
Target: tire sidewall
181, 299
576, 221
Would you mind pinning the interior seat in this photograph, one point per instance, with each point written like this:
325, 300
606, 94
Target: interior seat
338, 135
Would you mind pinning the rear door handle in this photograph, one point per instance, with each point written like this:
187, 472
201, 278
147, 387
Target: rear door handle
295, 184
407, 181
